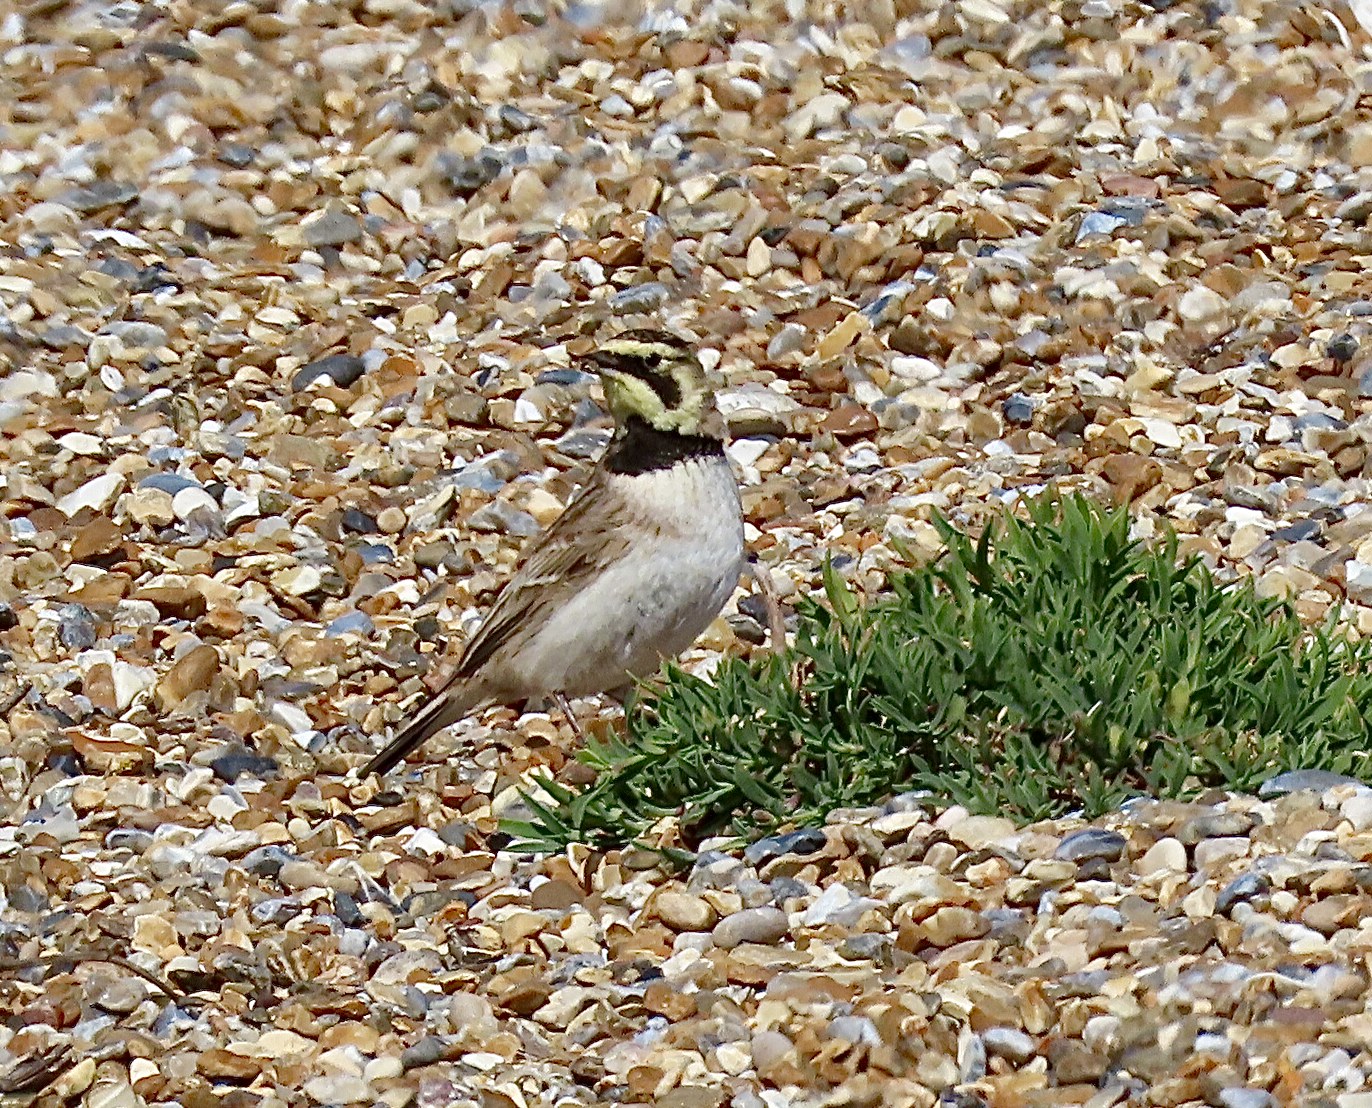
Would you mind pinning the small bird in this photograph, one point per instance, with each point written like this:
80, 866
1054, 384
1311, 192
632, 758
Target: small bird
641, 560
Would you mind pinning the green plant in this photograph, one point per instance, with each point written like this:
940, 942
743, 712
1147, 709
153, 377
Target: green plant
1053, 664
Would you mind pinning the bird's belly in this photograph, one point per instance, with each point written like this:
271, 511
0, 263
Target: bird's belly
652, 604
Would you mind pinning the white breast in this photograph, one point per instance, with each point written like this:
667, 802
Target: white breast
656, 600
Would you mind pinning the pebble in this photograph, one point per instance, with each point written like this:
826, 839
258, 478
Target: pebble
750, 925
276, 340
96, 494
1092, 843
684, 912
805, 841
342, 370
1316, 780
1009, 1043
192, 673
1164, 856
331, 228
76, 627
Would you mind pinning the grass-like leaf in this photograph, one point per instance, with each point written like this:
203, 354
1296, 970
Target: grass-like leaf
1050, 664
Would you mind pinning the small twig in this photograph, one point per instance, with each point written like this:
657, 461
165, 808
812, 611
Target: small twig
566, 708
776, 622
86, 955
15, 697
36, 1072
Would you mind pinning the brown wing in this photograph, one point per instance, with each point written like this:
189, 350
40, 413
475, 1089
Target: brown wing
585, 538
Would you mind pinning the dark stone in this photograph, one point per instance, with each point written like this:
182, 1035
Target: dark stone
234, 763
237, 155
76, 627
894, 154
866, 947
1018, 409
459, 833
23, 898
266, 861
788, 888
1243, 888
173, 50
1091, 843
1297, 532
154, 277
563, 377
806, 841
432, 98
359, 522
99, 194
118, 268
347, 911
342, 369
426, 1052
514, 119
171, 483
1342, 347
468, 175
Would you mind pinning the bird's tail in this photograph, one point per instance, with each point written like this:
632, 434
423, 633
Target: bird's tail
447, 707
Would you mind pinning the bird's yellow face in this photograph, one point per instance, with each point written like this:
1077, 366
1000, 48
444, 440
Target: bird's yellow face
656, 377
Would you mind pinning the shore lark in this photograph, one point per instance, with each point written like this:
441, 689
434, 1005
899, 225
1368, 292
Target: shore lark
642, 559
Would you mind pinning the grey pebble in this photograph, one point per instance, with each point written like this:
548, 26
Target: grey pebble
1245, 1098
349, 622
466, 175
1009, 1043
342, 369
1091, 843
641, 298
866, 947
1216, 825
751, 925
238, 761
504, 517
806, 841
128, 838
359, 522
1242, 888
855, 1029
582, 442
76, 627
333, 229
171, 483
135, 332
1017, 408
1297, 780
266, 861
431, 1049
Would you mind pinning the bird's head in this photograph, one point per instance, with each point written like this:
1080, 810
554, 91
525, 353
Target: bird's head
656, 377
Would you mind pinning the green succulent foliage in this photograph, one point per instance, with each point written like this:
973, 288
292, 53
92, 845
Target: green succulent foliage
1053, 664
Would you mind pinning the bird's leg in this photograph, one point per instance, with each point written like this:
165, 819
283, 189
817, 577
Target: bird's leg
565, 707
776, 623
